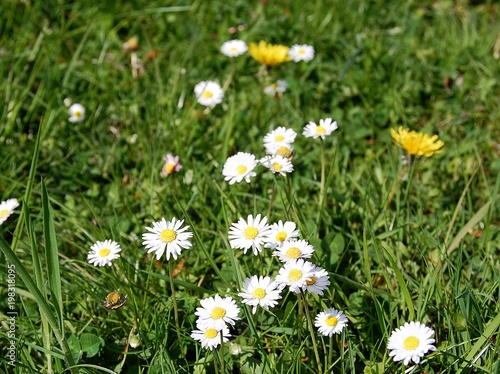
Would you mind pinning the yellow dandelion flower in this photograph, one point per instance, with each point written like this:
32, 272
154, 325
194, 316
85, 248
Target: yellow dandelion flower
417, 143
269, 54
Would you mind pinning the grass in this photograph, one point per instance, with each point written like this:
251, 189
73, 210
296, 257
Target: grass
397, 248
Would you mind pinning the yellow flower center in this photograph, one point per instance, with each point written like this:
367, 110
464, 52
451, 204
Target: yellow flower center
293, 253
301, 51
281, 236
294, 275
411, 343
234, 49
77, 114
241, 169
4, 213
218, 312
259, 293
277, 166
207, 94
168, 235
284, 151
320, 130
311, 281
104, 252
279, 138
331, 321
169, 168
210, 333
251, 232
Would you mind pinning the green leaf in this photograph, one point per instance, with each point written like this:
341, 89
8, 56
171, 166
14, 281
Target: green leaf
336, 246
91, 344
74, 347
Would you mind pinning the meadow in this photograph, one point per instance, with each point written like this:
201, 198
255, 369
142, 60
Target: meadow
402, 237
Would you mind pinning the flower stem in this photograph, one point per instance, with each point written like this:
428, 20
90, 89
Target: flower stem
322, 185
222, 369
311, 330
176, 313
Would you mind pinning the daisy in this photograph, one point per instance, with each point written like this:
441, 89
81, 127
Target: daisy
208, 93
276, 89
171, 166
302, 52
411, 342
7, 208
319, 281
233, 48
281, 232
325, 128
278, 137
209, 336
277, 164
330, 322
417, 143
285, 151
250, 233
269, 54
167, 235
76, 113
293, 250
103, 253
295, 273
238, 167
217, 311
260, 291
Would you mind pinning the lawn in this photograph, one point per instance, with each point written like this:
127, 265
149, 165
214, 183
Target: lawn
389, 235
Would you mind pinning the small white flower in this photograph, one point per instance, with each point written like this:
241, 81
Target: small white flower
295, 273
249, 234
281, 232
325, 128
76, 113
103, 253
171, 166
302, 52
7, 208
276, 88
293, 250
234, 48
167, 235
277, 164
278, 137
319, 281
208, 93
330, 322
411, 342
217, 311
210, 336
261, 291
238, 167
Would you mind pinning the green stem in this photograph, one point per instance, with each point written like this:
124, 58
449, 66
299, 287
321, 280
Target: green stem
322, 185
410, 179
176, 313
221, 351
271, 201
311, 331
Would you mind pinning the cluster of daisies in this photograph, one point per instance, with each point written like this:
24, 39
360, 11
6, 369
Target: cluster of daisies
210, 93
278, 145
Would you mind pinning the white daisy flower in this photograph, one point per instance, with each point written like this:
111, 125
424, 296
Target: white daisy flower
302, 52
167, 235
261, 291
279, 137
172, 165
233, 48
285, 151
281, 232
319, 281
325, 128
276, 89
209, 336
103, 253
411, 342
331, 321
238, 167
295, 274
293, 250
217, 311
249, 234
208, 93
277, 164
7, 208
76, 113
